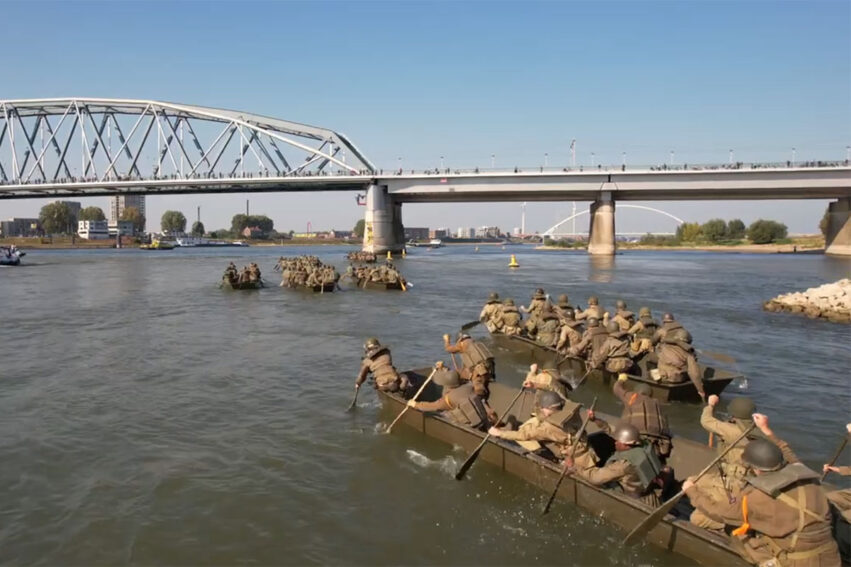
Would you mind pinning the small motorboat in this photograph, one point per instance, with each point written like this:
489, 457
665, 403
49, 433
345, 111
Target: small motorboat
10, 255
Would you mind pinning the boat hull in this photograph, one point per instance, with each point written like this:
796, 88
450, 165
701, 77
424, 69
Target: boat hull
714, 379
242, 285
379, 285
674, 534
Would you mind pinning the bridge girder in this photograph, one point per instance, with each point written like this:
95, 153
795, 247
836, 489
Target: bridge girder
50, 146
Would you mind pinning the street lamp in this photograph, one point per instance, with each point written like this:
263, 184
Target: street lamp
793, 157
593, 161
672, 158
400, 164
731, 157
441, 162
493, 161
624, 159
546, 159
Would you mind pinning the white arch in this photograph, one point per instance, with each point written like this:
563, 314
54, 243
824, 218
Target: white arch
550, 231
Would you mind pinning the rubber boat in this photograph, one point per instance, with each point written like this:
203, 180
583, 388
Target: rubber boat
10, 256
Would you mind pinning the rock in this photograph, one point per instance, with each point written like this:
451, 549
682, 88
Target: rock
830, 301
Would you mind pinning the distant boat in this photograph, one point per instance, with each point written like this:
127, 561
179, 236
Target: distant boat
433, 243
200, 242
10, 256
158, 245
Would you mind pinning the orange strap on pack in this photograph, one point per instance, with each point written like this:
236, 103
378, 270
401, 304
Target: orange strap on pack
743, 529
632, 399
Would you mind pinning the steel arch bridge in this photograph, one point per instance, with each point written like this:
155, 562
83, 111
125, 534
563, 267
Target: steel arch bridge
551, 231
77, 145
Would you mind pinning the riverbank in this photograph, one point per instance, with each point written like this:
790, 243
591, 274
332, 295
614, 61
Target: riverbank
799, 245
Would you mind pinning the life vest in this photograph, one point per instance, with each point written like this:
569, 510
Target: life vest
645, 462
649, 328
381, 366
466, 408
643, 412
476, 353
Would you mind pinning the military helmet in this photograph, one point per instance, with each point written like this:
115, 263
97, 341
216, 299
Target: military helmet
593, 300
509, 302
563, 300
550, 399
620, 304
626, 434
741, 408
613, 327
763, 455
462, 335
593, 322
539, 294
371, 343
667, 318
642, 388
446, 377
644, 312
494, 296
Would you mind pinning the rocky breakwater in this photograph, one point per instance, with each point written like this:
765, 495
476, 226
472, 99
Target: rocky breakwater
830, 301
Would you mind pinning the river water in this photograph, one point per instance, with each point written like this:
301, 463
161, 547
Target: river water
149, 417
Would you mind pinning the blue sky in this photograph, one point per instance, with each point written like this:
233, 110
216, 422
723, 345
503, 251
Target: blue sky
465, 80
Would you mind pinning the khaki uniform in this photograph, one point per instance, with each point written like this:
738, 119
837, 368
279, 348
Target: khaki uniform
536, 430
490, 316
509, 320
663, 330
559, 311
569, 336
593, 338
461, 405
624, 319
544, 330
544, 381
380, 364
592, 311
620, 470
676, 360
614, 352
842, 498
790, 529
646, 415
536, 307
643, 331
477, 364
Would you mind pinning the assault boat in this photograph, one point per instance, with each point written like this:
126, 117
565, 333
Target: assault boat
714, 379
233, 284
10, 256
379, 285
674, 533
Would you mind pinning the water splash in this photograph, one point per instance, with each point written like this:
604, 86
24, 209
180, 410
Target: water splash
447, 465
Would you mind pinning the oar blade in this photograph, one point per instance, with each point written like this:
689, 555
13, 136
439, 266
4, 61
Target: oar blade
652, 520
470, 325
469, 462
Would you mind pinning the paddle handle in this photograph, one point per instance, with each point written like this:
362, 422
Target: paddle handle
472, 458
417, 395
650, 521
835, 456
572, 453
355, 399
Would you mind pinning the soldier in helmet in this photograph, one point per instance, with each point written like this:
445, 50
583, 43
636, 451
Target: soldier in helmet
645, 413
561, 306
592, 339
476, 361
571, 332
509, 318
544, 328
782, 517
594, 310
379, 363
539, 301
668, 324
545, 380
726, 482
643, 331
614, 352
633, 467
491, 312
541, 428
458, 401
625, 319
676, 359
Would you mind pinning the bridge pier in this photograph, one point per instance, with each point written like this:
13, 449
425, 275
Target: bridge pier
382, 229
838, 237
601, 237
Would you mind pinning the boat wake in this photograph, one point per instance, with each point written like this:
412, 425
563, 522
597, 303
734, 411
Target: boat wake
447, 465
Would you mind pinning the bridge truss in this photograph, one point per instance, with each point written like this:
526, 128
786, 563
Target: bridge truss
78, 146
552, 230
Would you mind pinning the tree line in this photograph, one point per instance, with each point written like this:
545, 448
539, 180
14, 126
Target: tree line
719, 231
59, 217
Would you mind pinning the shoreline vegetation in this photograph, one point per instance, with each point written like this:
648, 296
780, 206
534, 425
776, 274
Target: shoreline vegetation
811, 244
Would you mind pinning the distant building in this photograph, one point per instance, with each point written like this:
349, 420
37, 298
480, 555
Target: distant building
93, 229
416, 233
516, 231
488, 232
20, 227
340, 234
122, 227
118, 204
438, 233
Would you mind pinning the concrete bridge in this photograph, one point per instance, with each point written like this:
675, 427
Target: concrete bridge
80, 147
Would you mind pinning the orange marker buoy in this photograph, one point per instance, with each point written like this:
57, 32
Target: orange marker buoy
513, 263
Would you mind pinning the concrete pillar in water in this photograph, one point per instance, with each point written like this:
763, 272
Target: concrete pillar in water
382, 229
601, 237
838, 238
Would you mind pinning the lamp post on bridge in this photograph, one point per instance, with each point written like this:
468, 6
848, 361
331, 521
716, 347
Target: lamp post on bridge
731, 157
546, 159
623, 163
593, 160
672, 158
400, 165
793, 157
493, 161
441, 162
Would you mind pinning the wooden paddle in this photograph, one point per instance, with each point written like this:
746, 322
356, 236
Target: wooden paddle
355, 399
650, 521
836, 455
475, 454
404, 287
584, 377
720, 357
470, 325
572, 453
417, 395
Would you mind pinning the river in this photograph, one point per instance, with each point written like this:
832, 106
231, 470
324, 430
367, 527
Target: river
149, 417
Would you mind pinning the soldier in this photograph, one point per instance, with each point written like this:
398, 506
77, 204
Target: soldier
783, 516
643, 331
561, 307
547, 380
476, 361
570, 334
539, 300
491, 312
614, 352
645, 413
841, 498
623, 318
592, 339
633, 466
541, 428
509, 319
544, 328
378, 361
676, 359
725, 484
594, 310
458, 401
668, 324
